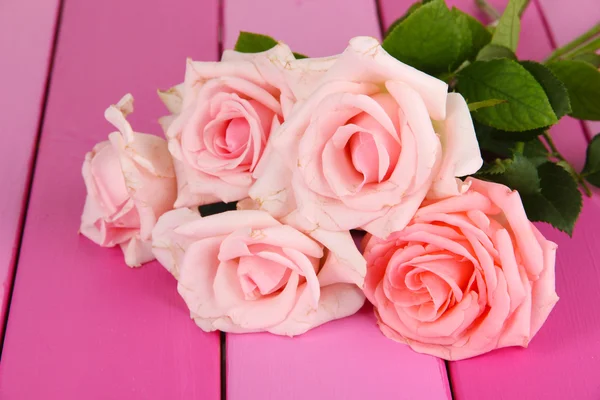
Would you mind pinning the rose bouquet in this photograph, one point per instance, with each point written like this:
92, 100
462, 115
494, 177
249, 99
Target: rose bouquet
289, 189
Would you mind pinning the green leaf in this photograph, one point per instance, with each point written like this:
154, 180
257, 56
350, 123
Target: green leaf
397, 22
583, 84
591, 170
465, 40
509, 25
527, 105
499, 134
299, 56
484, 104
520, 136
216, 208
520, 174
429, 39
590, 58
497, 167
473, 36
491, 147
549, 193
493, 51
590, 46
248, 42
495, 143
569, 168
558, 201
536, 152
480, 35
554, 88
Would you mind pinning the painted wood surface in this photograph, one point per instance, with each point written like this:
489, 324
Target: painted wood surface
566, 23
345, 359
563, 360
26, 37
316, 28
83, 325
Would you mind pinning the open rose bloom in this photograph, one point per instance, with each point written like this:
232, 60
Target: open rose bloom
311, 149
467, 275
223, 115
368, 139
243, 271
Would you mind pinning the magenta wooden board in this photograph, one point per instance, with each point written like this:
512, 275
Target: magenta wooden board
346, 359
26, 37
82, 324
314, 28
566, 23
563, 360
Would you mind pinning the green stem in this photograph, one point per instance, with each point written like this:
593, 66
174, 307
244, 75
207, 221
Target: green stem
520, 147
589, 47
574, 44
493, 14
555, 153
488, 9
524, 8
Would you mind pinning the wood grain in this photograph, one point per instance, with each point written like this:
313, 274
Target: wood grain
563, 360
27, 30
346, 359
82, 324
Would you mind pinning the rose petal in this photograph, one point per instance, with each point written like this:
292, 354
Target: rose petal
336, 301
227, 222
543, 296
366, 61
167, 246
137, 252
460, 150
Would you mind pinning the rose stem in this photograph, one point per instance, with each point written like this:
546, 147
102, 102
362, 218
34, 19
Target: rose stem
488, 9
574, 44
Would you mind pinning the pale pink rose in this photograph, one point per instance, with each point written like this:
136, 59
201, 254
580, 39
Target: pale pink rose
469, 274
130, 182
222, 117
243, 271
368, 138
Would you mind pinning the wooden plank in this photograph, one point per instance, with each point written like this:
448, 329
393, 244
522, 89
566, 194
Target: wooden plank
26, 52
563, 360
344, 359
83, 325
566, 23
314, 28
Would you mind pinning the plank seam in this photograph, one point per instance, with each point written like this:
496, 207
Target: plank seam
30, 175
443, 364
223, 350
220, 24
222, 335
380, 19
449, 379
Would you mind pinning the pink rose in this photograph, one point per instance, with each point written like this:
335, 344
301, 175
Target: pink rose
243, 271
469, 274
130, 182
223, 115
367, 140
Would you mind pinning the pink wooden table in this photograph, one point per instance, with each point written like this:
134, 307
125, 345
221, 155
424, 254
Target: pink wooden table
81, 325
